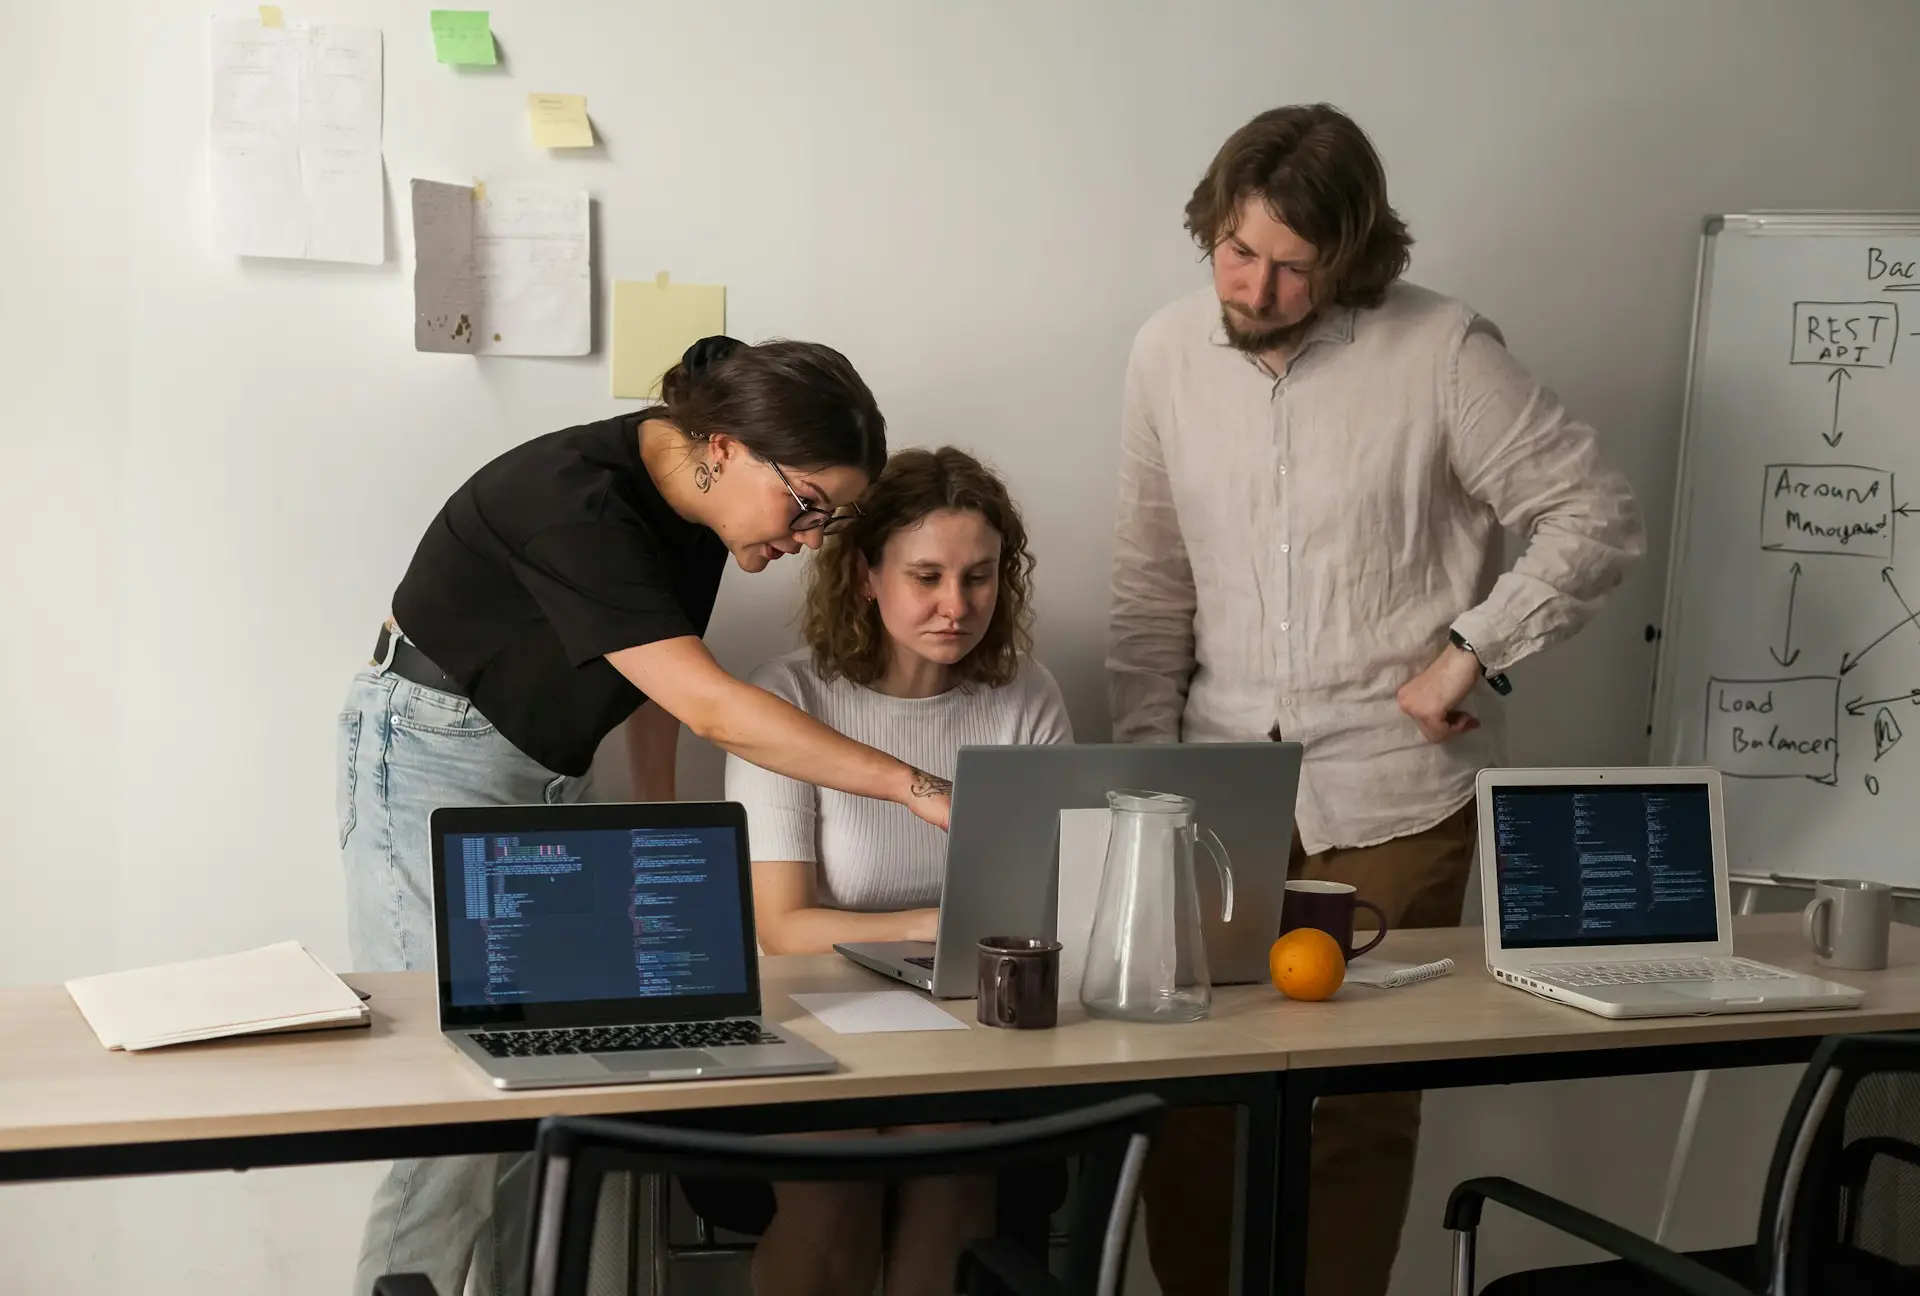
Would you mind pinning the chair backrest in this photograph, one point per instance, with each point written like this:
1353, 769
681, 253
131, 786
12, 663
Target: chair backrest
1841, 1210
575, 1155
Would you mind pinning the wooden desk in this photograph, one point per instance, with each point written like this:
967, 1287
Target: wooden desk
1468, 1029
69, 1108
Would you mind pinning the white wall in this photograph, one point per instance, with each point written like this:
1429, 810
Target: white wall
214, 472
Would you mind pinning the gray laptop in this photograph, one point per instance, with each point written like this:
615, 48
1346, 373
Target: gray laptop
602, 944
1607, 889
1002, 871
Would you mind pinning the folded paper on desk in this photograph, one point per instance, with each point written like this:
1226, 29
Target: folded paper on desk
1386, 974
276, 988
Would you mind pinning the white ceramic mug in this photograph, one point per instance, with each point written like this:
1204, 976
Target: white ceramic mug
1848, 923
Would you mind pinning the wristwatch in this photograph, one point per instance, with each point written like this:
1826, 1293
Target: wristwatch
1497, 681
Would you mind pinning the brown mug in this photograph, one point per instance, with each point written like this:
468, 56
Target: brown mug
1019, 983
1329, 906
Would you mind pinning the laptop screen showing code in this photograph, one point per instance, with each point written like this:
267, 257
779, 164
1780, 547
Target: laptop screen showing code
556, 916
1604, 865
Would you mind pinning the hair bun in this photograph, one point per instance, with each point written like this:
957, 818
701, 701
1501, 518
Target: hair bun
708, 352
695, 363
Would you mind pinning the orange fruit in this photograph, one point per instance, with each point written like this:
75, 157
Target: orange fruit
1306, 963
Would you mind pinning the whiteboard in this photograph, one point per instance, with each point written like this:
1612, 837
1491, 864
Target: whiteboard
1790, 649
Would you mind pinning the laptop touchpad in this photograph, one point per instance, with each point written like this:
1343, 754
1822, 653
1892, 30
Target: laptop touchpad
646, 1060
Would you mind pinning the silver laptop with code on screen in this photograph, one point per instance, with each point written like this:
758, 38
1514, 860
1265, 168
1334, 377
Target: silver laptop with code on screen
1608, 889
603, 944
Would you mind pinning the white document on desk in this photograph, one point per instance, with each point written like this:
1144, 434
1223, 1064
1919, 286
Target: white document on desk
295, 141
868, 1012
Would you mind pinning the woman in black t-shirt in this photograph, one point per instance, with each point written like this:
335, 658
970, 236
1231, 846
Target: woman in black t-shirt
561, 592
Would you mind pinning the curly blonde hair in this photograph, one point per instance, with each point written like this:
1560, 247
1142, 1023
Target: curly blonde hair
843, 630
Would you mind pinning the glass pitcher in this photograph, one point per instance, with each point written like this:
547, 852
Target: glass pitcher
1146, 960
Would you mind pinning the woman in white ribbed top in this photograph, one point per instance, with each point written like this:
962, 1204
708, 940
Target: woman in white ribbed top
917, 627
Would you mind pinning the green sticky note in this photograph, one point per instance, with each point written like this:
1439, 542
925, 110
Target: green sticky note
462, 36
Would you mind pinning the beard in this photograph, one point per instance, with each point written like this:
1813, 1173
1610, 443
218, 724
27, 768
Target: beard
1257, 341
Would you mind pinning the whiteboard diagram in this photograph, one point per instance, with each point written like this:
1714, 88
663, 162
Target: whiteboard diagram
1790, 656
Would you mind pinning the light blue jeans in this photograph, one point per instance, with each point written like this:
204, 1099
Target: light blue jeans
405, 749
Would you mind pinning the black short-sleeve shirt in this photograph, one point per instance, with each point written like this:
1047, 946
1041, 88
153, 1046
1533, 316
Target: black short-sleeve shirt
557, 553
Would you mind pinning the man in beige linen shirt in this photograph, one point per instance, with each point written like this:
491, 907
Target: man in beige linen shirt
1317, 462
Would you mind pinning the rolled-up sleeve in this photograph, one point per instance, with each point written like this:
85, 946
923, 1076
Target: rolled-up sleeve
1150, 654
1515, 448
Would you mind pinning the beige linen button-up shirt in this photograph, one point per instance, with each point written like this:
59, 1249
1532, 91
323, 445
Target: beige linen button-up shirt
1290, 549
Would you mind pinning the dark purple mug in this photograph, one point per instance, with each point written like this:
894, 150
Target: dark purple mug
1019, 984
1329, 906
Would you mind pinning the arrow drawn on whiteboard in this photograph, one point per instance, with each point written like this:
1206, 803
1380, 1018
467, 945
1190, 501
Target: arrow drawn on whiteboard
1859, 705
1847, 660
1792, 654
1839, 379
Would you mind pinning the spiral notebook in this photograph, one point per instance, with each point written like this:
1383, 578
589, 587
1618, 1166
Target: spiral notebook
1385, 974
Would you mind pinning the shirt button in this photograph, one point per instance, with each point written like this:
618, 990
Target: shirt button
1286, 702
1283, 470
1286, 548
1286, 625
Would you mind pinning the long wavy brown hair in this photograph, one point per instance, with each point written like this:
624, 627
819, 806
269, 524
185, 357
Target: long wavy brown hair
843, 628
1319, 175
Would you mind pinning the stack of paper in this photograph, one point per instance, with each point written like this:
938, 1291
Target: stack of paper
277, 988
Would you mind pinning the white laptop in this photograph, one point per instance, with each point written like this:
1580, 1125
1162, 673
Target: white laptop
1607, 889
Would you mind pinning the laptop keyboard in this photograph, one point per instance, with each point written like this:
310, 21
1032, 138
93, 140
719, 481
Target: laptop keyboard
623, 1039
918, 962
1653, 972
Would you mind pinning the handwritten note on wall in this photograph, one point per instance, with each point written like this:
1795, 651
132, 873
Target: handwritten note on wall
507, 271
462, 36
295, 140
559, 121
446, 303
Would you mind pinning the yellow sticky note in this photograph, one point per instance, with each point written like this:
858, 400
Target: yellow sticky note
654, 323
559, 121
270, 16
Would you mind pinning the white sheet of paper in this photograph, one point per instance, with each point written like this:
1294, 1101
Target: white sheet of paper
532, 272
867, 1012
295, 140
1083, 860
446, 311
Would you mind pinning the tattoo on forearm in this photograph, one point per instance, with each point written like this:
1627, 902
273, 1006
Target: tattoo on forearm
930, 785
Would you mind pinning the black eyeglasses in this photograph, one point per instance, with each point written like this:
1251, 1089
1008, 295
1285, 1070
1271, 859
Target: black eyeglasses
811, 517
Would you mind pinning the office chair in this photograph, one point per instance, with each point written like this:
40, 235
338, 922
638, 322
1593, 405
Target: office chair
1025, 1201
1841, 1212
1110, 1140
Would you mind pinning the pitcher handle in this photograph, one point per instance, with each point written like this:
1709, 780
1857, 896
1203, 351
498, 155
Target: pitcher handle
1217, 849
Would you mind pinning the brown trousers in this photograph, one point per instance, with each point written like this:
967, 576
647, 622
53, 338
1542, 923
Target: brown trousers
1363, 1144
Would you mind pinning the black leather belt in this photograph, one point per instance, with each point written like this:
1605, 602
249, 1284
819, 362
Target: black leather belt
409, 663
